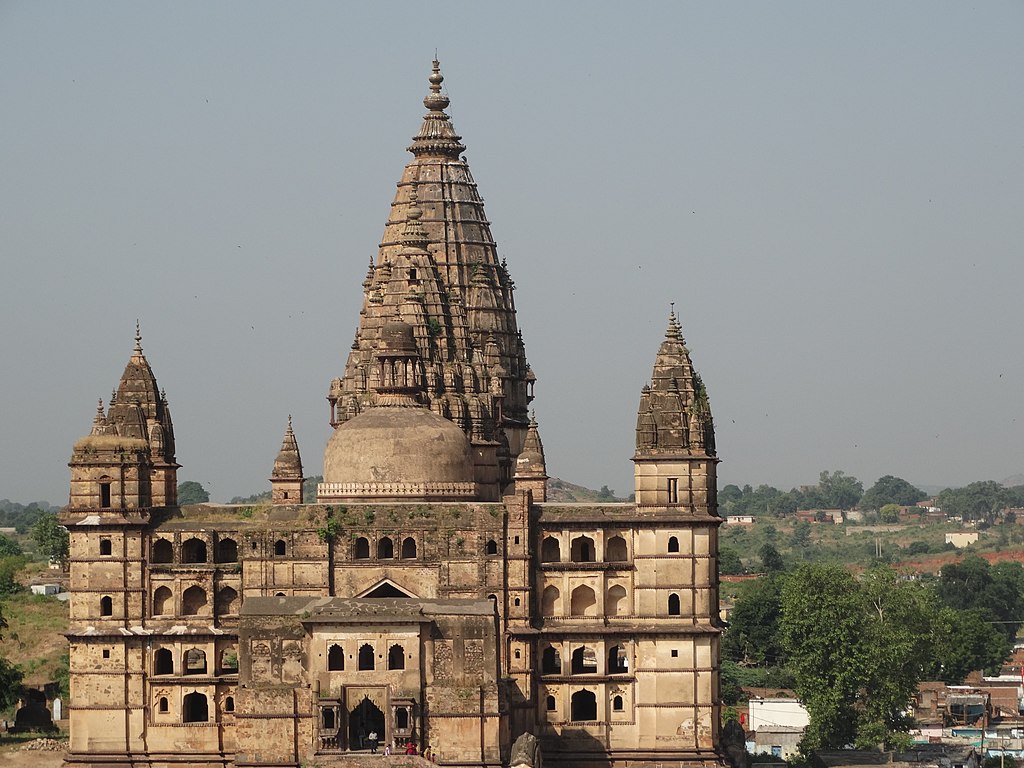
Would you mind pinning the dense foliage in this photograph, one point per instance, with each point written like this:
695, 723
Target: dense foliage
854, 648
191, 492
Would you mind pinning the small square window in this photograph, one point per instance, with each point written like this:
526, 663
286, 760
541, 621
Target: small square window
675, 653
106, 653
516, 539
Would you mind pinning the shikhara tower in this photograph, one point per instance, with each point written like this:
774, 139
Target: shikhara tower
431, 593
437, 270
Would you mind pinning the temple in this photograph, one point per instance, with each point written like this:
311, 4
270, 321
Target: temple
430, 594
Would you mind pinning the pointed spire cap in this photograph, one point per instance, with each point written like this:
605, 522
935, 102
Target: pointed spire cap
437, 135
137, 351
288, 464
99, 421
530, 462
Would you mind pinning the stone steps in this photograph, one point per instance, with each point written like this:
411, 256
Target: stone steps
367, 760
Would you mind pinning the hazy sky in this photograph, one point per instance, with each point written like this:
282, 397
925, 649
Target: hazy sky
832, 194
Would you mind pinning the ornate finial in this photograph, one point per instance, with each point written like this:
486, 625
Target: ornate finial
289, 422
138, 338
113, 396
673, 331
99, 407
435, 101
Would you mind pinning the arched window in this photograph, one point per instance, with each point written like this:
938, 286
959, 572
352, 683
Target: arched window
163, 662
361, 549
195, 662
396, 657
618, 662
409, 548
516, 602
385, 549
584, 661
582, 550
491, 548
193, 551
584, 706
617, 704
193, 601
280, 548
162, 706
106, 606
227, 551
229, 704
673, 544
551, 705
616, 603
105, 547
195, 708
105, 483
163, 604
584, 602
327, 715
336, 659
551, 603
615, 550
163, 552
366, 658
550, 550
229, 661
402, 718
550, 661
227, 602
673, 604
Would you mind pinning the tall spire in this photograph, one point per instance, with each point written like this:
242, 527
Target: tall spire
437, 135
286, 477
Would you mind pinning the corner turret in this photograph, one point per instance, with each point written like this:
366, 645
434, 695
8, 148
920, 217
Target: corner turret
286, 478
675, 460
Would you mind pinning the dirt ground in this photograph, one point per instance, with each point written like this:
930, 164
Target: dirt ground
26, 758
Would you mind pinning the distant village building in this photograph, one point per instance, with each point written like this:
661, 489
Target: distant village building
430, 593
961, 539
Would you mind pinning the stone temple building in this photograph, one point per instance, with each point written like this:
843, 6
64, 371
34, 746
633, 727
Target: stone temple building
430, 593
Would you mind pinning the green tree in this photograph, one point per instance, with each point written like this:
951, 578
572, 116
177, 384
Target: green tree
753, 634
889, 513
857, 650
965, 641
10, 678
191, 492
839, 490
771, 560
891, 490
802, 535
9, 568
9, 547
997, 591
51, 537
980, 501
729, 562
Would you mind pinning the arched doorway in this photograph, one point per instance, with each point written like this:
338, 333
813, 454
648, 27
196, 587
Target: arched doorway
365, 718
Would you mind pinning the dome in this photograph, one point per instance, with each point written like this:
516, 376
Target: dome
407, 453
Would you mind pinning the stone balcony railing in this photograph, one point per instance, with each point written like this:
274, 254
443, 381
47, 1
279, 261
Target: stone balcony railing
437, 491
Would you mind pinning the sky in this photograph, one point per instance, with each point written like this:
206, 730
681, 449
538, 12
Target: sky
831, 194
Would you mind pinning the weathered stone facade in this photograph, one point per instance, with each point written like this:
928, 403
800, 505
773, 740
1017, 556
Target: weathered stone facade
431, 594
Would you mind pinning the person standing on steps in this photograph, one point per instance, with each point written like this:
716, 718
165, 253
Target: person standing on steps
373, 741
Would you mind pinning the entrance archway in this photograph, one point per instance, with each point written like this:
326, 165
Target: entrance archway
365, 718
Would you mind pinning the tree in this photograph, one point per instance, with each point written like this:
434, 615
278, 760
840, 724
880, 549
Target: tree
51, 537
9, 547
965, 641
891, 490
857, 650
839, 490
729, 562
980, 501
771, 560
10, 678
802, 534
997, 591
191, 492
753, 634
889, 513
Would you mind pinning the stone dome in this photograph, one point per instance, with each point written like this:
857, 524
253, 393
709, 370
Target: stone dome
398, 452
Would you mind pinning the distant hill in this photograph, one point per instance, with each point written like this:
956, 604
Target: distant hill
564, 491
